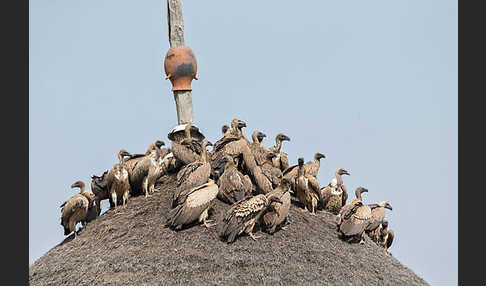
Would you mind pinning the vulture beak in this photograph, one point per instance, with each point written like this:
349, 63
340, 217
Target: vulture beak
388, 206
209, 144
346, 173
74, 185
285, 138
241, 124
277, 200
363, 190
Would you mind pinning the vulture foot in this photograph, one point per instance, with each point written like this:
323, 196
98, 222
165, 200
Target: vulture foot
254, 237
208, 225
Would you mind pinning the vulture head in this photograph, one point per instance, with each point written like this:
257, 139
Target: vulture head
206, 143
341, 171
78, 184
285, 183
273, 199
237, 124
359, 191
159, 143
385, 204
319, 156
384, 224
271, 155
123, 153
225, 129
300, 161
281, 137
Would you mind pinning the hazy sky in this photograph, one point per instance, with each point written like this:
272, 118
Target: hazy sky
371, 84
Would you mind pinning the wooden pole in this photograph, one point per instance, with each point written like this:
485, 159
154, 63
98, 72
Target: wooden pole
183, 98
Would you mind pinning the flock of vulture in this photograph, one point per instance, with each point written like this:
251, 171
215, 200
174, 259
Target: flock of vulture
257, 181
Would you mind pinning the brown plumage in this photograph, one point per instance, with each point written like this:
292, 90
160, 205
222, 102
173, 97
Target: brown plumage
307, 189
118, 181
224, 129
277, 214
233, 134
385, 236
334, 195
139, 165
75, 209
193, 205
263, 159
281, 160
99, 187
192, 175
233, 185
158, 167
310, 168
377, 215
189, 149
354, 220
243, 215
347, 207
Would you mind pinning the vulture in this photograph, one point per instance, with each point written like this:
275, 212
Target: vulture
193, 205
118, 181
192, 175
233, 185
307, 189
377, 215
263, 159
385, 236
354, 220
75, 209
224, 129
281, 161
334, 195
243, 215
345, 208
234, 133
158, 167
138, 166
277, 214
310, 168
99, 187
189, 149
230, 144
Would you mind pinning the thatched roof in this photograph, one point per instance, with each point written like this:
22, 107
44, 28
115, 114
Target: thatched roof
134, 248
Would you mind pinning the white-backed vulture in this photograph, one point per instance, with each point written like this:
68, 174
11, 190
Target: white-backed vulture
385, 236
243, 215
193, 205
281, 161
99, 187
233, 134
187, 150
277, 214
354, 220
158, 167
192, 175
75, 209
263, 159
118, 181
357, 193
138, 167
177, 134
233, 185
335, 195
377, 214
307, 189
310, 168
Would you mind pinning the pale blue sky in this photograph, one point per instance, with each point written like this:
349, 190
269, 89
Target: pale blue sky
371, 84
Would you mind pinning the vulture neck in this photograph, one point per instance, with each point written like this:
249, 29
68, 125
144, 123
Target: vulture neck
300, 171
120, 157
230, 165
203, 154
317, 162
82, 189
187, 131
339, 179
278, 146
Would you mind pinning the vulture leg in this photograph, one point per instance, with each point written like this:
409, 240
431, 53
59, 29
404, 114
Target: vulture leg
145, 187
204, 218
113, 197
125, 198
